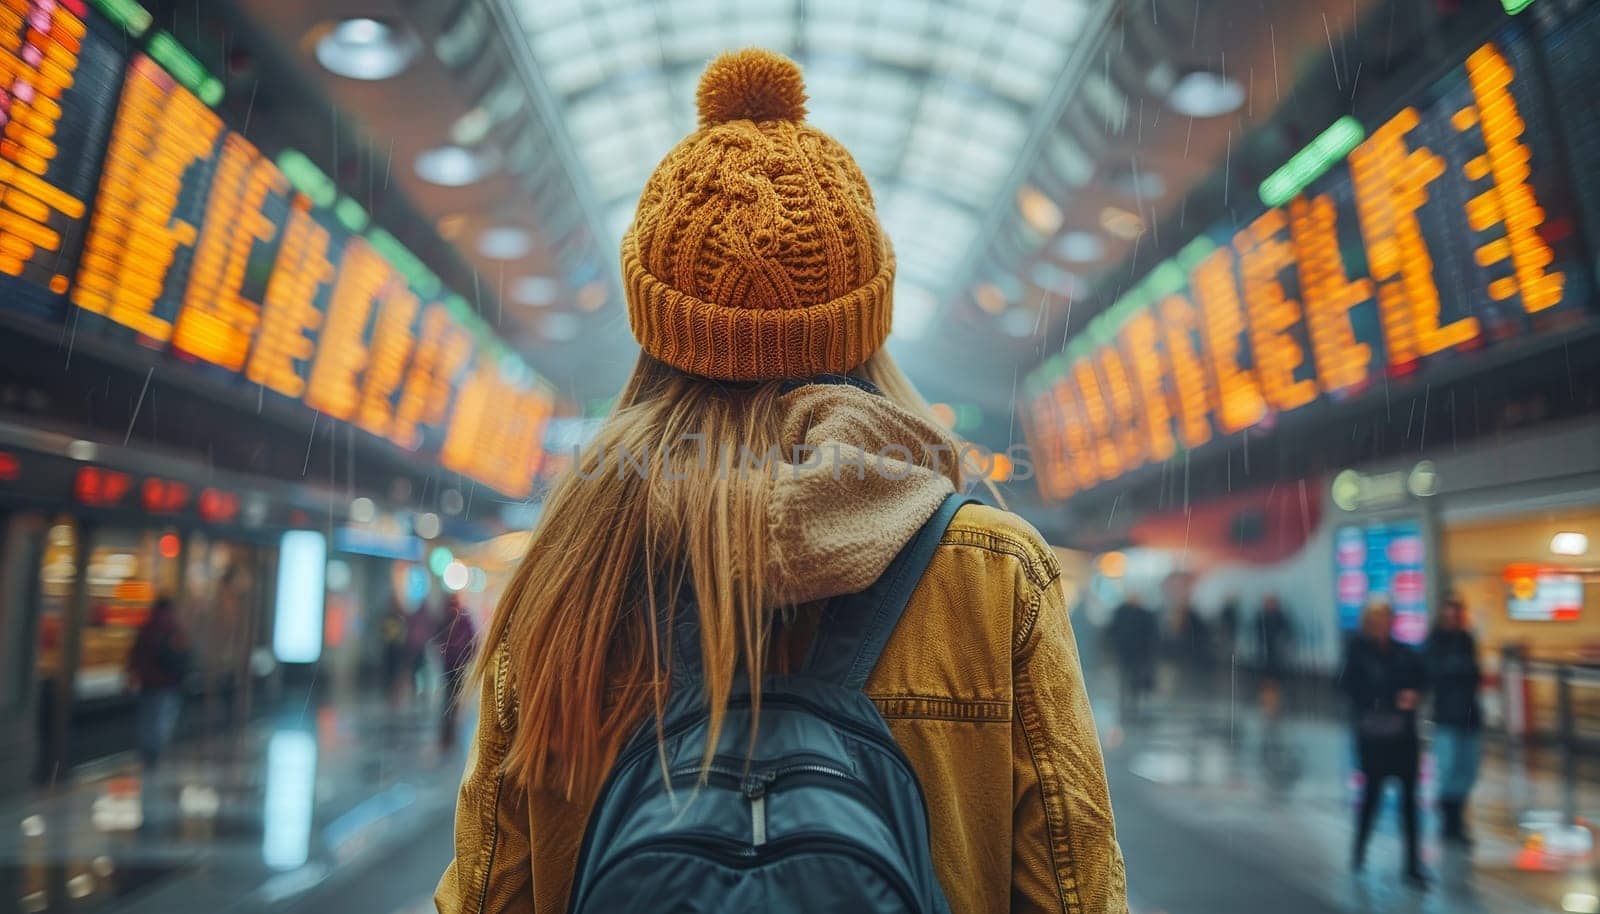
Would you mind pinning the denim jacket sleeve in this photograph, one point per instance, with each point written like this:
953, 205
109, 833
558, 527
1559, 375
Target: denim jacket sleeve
492, 871
1065, 856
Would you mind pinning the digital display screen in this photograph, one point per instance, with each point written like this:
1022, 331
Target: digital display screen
58, 95
1536, 594
1383, 559
129, 207
1449, 229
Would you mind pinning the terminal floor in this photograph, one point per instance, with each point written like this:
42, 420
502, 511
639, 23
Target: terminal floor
348, 811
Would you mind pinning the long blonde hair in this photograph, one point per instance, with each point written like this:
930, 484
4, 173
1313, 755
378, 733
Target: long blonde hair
631, 524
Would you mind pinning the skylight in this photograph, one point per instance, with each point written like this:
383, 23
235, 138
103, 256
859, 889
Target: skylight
935, 98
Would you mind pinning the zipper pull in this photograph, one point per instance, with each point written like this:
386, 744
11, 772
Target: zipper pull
755, 788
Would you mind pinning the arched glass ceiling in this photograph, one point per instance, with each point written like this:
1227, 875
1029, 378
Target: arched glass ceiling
935, 98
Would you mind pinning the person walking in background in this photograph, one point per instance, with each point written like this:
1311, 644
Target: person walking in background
1190, 647
1274, 643
1384, 680
1228, 626
1132, 636
396, 628
1452, 657
157, 666
458, 643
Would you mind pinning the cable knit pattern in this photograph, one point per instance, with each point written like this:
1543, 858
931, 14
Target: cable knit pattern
755, 251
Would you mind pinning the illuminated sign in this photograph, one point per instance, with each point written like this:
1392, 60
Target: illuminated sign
163, 496
1446, 231
297, 621
101, 488
1537, 594
1383, 560
195, 243
58, 80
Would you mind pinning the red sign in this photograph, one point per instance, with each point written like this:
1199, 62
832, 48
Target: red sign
218, 507
100, 487
161, 496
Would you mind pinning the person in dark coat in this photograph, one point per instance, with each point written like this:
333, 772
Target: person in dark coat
1452, 656
1228, 626
1384, 681
1132, 637
157, 666
1274, 644
396, 626
458, 644
1190, 646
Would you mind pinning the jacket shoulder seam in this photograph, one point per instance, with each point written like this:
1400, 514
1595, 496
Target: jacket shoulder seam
1004, 542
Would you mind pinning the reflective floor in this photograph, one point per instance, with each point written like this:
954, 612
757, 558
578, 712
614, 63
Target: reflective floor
348, 810
1220, 812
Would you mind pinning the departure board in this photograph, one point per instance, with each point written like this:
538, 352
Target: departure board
152, 201
125, 195
1573, 62
1449, 229
59, 76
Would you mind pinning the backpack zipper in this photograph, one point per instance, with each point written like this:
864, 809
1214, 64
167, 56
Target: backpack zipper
757, 785
718, 851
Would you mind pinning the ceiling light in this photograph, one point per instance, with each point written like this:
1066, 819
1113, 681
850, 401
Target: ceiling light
1038, 210
427, 526
472, 127
1568, 543
592, 296
1423, 480
537, 291
1081, 247
990, 298
454, 166
1204, 93
366, 49
1121, 223
505, 242
363, 510
455, 576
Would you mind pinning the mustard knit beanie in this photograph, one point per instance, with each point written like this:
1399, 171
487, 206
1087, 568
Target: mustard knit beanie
755, 252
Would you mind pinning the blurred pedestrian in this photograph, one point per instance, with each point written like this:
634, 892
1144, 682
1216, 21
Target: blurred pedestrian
1189, 644
157, 666
458, 642
1132, 636
1383, 680
1452, 656
1274, 643
1228, 625
396, 629
421, 628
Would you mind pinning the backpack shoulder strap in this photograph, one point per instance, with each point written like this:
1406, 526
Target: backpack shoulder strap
856, 628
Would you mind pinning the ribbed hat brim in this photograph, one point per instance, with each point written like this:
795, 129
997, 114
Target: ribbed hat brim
755, 344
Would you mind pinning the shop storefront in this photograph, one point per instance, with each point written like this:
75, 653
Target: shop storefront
87, 548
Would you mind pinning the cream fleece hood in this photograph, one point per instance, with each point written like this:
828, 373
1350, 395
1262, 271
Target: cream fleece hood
861, 474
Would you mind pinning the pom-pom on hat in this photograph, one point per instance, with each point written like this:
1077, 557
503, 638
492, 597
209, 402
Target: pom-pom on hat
755, 252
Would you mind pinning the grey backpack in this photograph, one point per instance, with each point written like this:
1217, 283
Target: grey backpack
823, 813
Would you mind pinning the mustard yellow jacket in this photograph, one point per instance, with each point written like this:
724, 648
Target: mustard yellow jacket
980, 686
